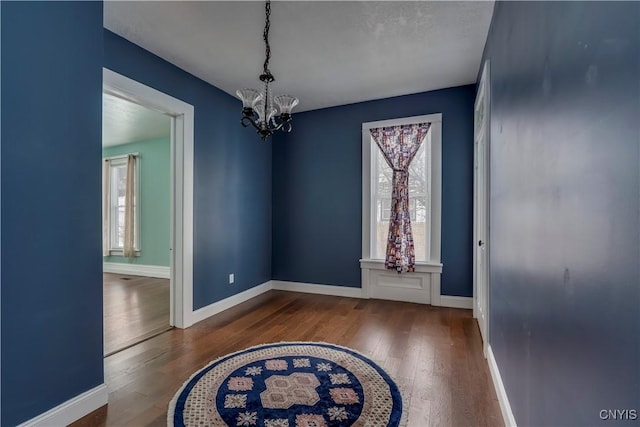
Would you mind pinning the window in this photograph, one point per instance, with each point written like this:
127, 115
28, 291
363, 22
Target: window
424, 193
115, 197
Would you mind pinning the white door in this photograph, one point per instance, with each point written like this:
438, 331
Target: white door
480, 294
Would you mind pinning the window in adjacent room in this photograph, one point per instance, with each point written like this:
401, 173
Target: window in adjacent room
115, 209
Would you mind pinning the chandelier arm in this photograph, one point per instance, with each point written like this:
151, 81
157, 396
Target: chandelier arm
287, 127
251, 122
267, 131
277, 128
282, 123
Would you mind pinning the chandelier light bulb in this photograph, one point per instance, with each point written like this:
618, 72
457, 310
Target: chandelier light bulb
249, 97
285, 103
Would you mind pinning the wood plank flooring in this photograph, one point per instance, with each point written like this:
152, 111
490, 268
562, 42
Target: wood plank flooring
434, 353
135, 308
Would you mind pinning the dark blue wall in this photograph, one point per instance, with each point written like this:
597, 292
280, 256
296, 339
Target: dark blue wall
317, 181
232, 176
51, 262
565, 237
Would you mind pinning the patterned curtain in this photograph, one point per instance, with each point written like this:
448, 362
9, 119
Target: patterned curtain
399, 145
129, 207
106, 206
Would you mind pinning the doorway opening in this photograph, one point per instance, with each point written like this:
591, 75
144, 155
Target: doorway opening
136, 159
147, 212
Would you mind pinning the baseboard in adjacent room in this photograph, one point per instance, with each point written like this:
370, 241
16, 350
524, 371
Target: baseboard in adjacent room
503, 400
157, 271
311, 288
71, 410
456, 302
225, 304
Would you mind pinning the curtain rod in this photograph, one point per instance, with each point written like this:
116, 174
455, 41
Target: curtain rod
122, 156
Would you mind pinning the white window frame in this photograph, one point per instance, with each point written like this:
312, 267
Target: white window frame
119, 161
433, 266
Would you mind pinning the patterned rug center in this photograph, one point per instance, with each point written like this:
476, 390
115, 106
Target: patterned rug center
290, 391
295, 389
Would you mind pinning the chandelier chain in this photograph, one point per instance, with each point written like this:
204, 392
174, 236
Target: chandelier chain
267, 25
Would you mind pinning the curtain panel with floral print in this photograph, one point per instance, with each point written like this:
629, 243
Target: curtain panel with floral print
399, 145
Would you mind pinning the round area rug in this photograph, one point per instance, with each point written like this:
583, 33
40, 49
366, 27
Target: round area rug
290, 384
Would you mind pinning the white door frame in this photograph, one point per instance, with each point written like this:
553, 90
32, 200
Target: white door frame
481, 207
181, 258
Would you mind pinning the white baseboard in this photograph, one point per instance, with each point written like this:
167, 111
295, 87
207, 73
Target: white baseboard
157, 271
71, 410
456, 302
311, 288
225, 304
503, 400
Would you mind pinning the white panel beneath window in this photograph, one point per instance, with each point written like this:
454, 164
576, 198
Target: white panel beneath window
395, 280
409, 287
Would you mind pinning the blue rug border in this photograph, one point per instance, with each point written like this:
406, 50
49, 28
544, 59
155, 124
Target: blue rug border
396, 411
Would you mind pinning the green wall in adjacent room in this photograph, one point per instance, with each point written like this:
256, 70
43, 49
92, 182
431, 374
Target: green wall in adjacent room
154, 200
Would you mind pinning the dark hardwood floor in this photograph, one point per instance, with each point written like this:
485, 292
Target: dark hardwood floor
434, 353
135, 308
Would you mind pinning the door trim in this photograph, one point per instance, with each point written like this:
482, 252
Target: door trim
181, 258
484, 128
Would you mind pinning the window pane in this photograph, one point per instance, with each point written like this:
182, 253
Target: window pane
120, 227
419, 229
383, 175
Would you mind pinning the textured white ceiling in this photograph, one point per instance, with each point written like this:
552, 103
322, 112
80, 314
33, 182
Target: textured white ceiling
124, 121
326, 53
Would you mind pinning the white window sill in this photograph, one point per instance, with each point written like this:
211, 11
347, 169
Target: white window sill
120, 252
421, 267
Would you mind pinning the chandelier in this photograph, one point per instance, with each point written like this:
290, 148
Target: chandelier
258, 108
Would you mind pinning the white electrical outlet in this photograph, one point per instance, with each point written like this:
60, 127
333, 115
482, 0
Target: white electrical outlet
231, 278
